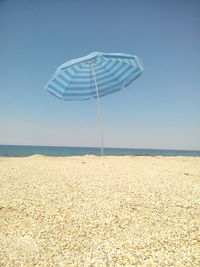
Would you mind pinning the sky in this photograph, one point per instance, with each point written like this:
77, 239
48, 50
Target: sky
161, 109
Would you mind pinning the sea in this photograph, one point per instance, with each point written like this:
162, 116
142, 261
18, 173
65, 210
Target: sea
59, 151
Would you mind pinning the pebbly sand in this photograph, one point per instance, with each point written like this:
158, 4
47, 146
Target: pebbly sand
93, 211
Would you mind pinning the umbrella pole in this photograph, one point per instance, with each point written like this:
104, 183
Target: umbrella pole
99, 111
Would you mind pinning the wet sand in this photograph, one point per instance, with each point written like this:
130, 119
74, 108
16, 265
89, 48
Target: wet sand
100, 211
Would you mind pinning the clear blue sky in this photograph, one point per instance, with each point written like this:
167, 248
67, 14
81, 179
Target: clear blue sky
161, 109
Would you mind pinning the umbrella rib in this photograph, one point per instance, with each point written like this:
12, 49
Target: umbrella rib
123, 83
76, 72
109, 71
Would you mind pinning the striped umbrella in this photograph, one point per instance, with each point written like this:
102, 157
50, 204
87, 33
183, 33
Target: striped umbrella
93, 76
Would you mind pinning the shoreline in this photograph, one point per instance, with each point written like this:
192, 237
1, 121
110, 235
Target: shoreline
99, 156
24, 151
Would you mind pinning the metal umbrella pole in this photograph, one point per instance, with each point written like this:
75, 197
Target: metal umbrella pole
99, 110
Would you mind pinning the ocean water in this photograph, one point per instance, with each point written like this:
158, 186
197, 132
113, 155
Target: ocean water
25, 151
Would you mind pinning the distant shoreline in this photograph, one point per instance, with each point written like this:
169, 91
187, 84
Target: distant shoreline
95, 156
53, 151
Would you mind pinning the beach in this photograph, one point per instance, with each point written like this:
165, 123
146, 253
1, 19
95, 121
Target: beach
100, 211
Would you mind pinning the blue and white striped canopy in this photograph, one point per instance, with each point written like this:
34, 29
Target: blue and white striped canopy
74, 80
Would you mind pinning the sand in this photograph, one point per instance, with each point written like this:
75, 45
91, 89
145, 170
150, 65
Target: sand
100, 211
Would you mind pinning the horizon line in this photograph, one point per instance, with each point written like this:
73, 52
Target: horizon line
104, 147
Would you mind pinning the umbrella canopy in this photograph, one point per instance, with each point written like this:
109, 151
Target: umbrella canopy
74, 80
93, 76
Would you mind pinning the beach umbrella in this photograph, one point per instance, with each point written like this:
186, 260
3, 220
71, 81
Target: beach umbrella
93, 76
